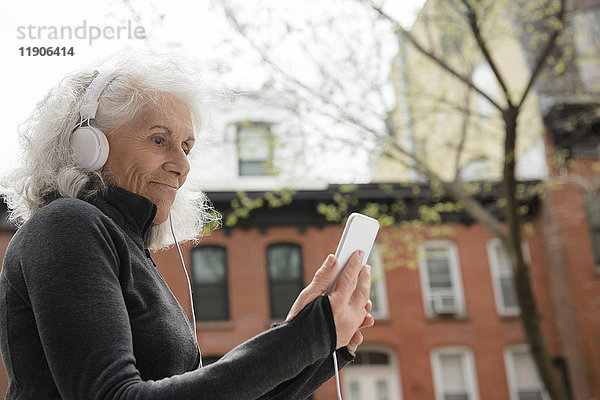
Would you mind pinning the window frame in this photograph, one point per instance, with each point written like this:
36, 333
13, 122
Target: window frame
467, 366
366, 372
455, 277
240, 126
378, 286
300, 280
501, 308
197, 286
484, 78
511, 373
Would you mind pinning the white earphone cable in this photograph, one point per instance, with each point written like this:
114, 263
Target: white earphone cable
337, 376
187, 277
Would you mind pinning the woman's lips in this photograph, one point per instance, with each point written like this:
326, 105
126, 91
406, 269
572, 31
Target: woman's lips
166, 186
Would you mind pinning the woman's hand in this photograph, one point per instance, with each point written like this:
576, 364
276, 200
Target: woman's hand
357, 338
350, 303
352, 280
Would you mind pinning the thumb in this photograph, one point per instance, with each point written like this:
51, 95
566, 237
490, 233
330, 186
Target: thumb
325, 274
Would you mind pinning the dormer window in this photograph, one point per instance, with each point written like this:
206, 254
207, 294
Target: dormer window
255, 150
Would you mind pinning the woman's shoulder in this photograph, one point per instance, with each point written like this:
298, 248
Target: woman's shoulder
64, 217
68, 203
64, 224
66, 210
58, 237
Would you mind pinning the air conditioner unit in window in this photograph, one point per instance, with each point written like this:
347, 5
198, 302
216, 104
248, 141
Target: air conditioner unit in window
443, 304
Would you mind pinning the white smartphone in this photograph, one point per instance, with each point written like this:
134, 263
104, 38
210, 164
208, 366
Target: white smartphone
359, 234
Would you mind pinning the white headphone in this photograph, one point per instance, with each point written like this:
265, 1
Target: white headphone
89, 144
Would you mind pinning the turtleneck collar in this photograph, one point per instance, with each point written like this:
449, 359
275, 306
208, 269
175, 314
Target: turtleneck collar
130, 211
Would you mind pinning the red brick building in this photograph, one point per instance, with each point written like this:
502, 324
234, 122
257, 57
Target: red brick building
447, 325
435, 323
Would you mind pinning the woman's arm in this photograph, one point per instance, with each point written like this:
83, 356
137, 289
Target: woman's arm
311, 378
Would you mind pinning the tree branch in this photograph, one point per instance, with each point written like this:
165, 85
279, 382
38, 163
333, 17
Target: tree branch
545, 52
463, 134
474, 24
466, 80
472, 207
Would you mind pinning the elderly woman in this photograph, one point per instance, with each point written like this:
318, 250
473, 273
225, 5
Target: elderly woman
85, 314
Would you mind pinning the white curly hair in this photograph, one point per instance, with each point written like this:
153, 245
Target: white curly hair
48, 168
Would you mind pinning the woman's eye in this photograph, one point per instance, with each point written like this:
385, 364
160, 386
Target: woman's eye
158, 141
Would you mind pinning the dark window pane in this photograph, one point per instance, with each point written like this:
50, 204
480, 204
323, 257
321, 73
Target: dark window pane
285, 277
253, 168
596, 245
592, 205
456, 396
378, 358
439, 273
209, 274
208, 264
254, 148
207, 360
282, 298
530, 395
211, 303
508, 293
359, 359
371, 358
284, 262
375, 300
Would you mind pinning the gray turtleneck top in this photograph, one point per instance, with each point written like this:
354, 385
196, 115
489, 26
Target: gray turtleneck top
85, 314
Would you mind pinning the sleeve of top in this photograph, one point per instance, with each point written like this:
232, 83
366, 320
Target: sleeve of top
84, 330
311, 378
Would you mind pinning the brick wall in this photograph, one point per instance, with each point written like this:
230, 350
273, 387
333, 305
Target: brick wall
573, 273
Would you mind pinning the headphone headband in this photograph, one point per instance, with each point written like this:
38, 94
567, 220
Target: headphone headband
89, 106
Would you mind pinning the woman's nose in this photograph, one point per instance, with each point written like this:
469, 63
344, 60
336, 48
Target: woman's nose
178, 163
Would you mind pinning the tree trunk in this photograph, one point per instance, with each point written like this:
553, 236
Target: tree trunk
529, 313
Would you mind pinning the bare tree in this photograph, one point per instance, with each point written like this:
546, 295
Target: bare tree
454, 39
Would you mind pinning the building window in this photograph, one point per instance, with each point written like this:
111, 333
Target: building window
378, 287
373, 375
284, 263
454, 374
502, 279
592, 206
209, 274
254, 149
586, 23
440, 279
483, 77
475, 170
523, 380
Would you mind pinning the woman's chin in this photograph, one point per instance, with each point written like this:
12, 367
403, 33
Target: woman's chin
159, 219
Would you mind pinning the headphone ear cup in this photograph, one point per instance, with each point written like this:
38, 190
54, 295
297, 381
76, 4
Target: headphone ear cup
90, 146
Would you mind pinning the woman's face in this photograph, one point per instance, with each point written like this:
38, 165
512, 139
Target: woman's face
149, 156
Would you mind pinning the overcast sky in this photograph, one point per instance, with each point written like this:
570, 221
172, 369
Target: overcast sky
188, 26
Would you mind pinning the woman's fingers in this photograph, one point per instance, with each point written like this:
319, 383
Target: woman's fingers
347, 282
319, 284
356, 341
363, 287
324, 275
350, 302
368, 322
